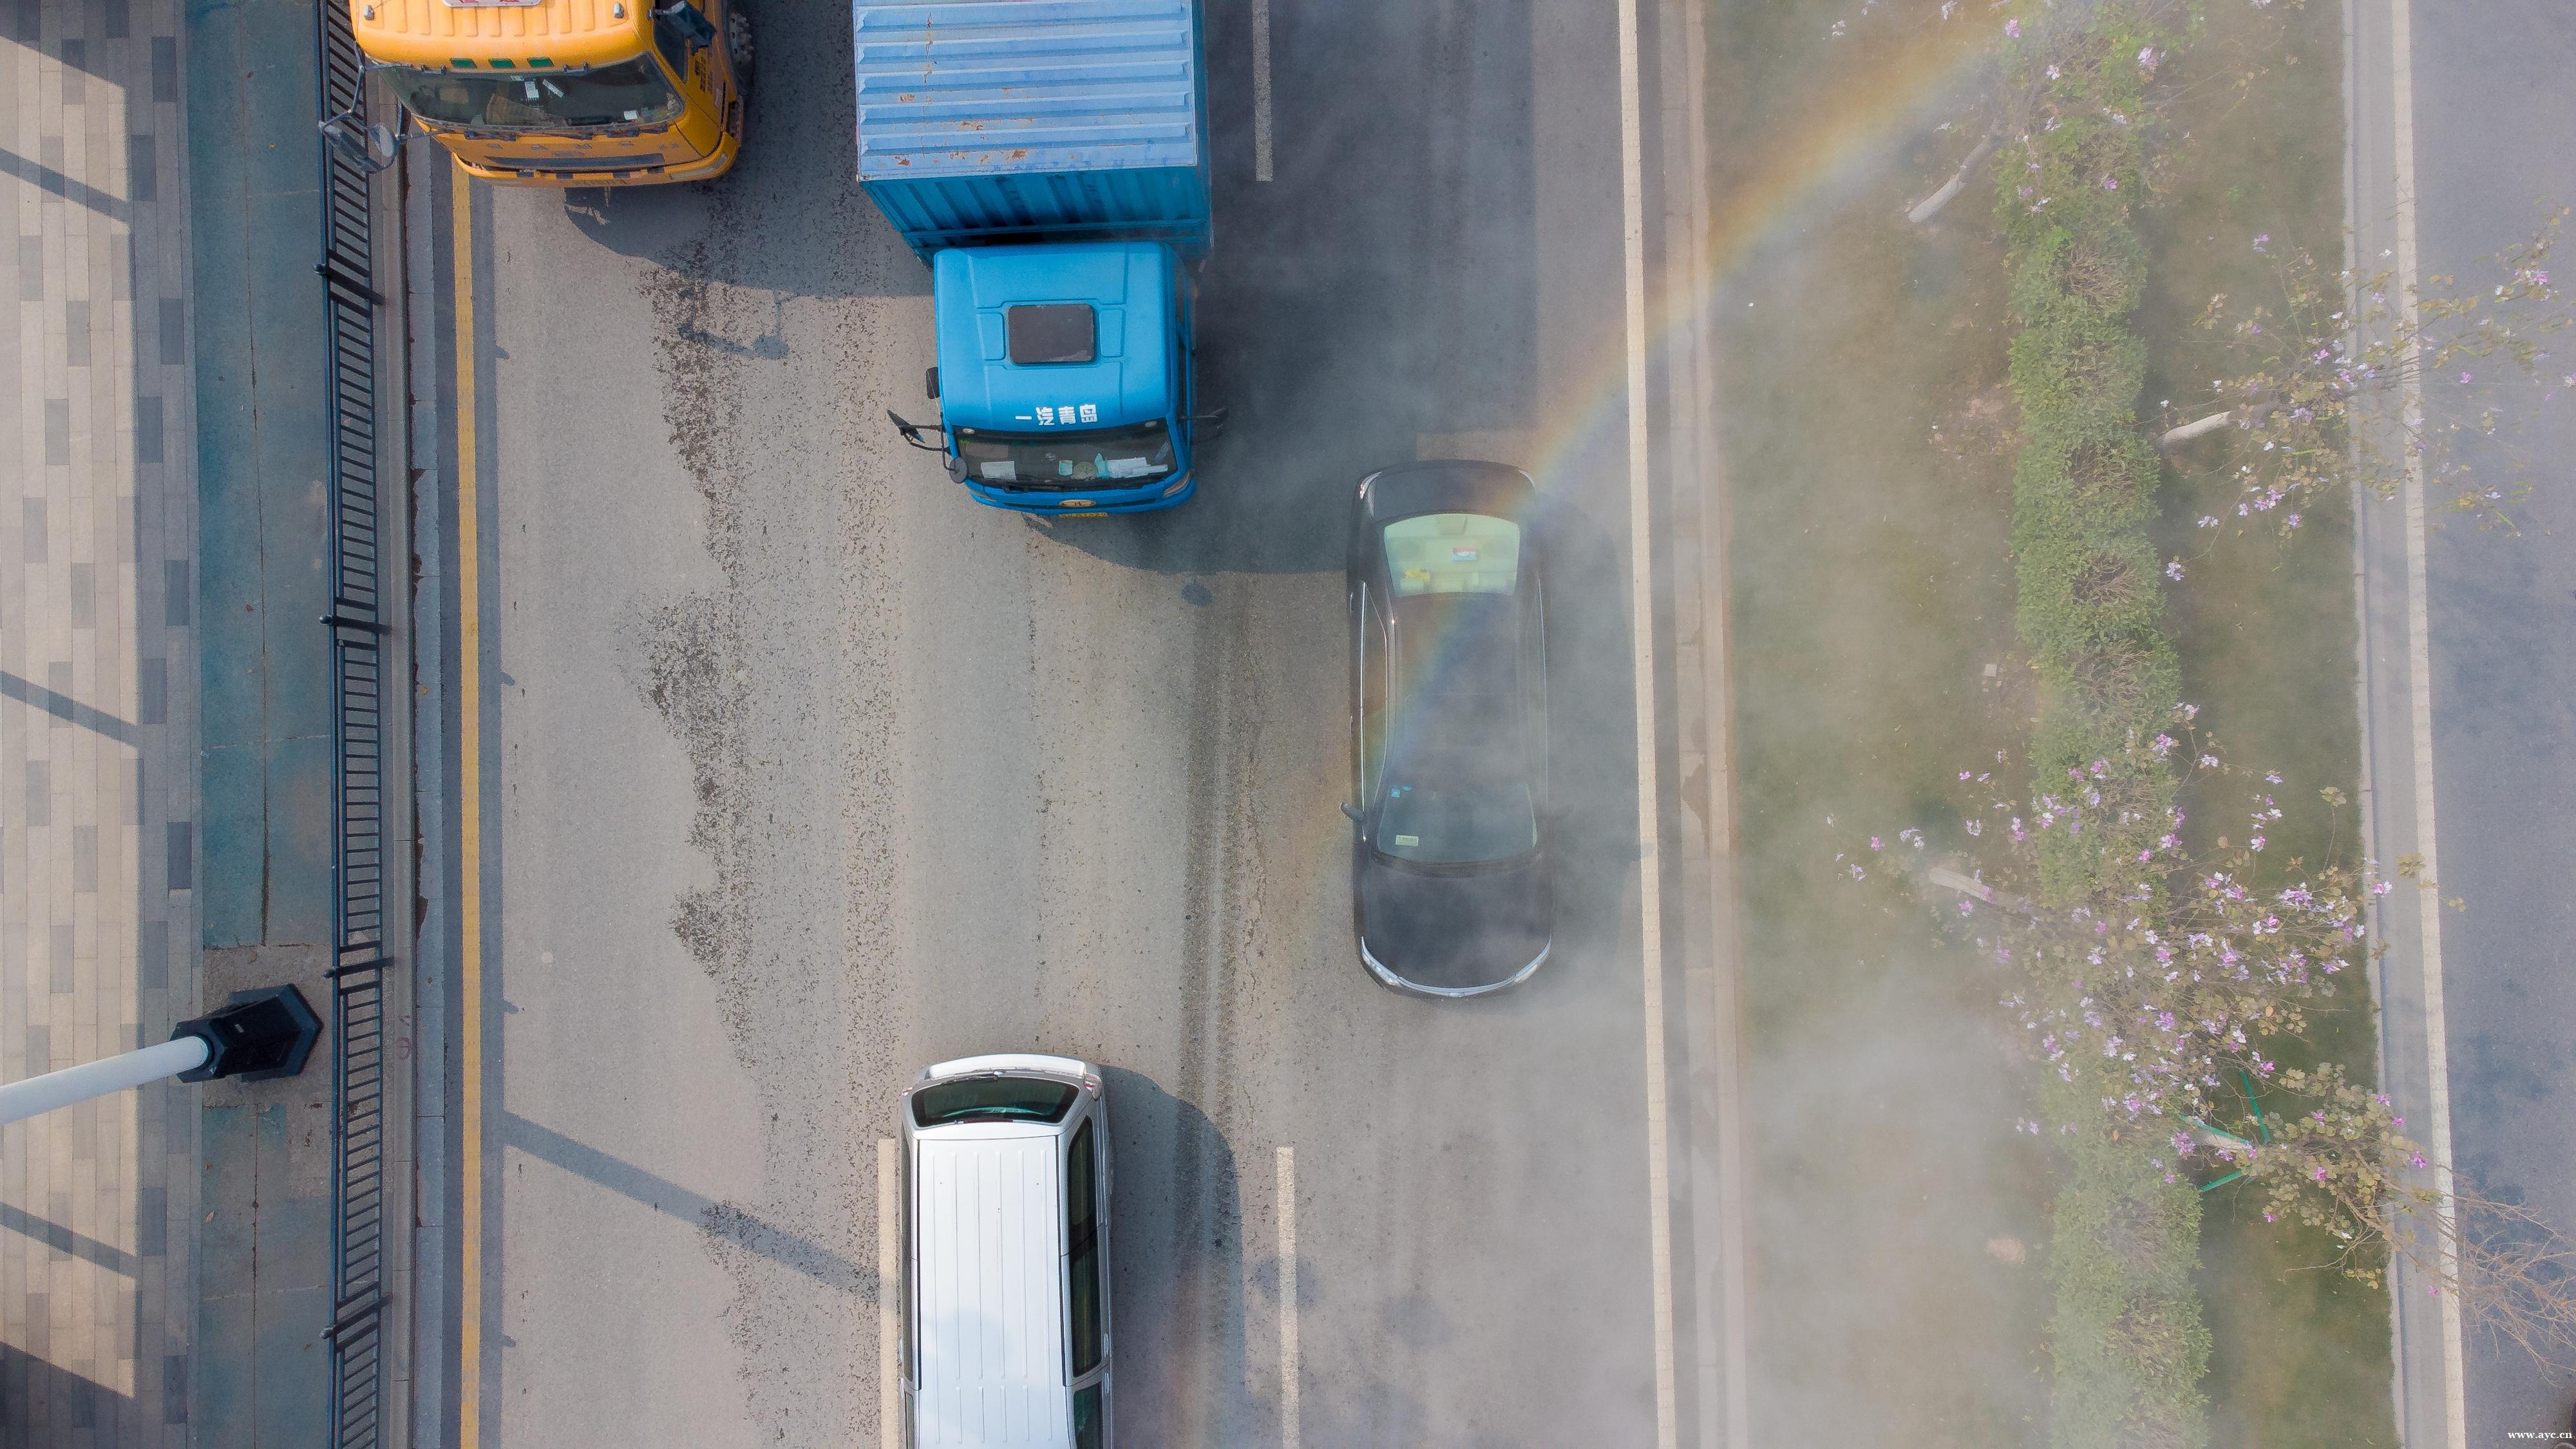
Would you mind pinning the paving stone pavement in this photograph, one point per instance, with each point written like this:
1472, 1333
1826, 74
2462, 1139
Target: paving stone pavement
98, 720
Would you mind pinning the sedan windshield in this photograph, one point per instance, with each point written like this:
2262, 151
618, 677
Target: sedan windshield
1127, 457
1457, 824
631, 92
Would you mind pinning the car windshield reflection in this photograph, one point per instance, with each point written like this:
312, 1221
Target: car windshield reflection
1453, 553
1457, 824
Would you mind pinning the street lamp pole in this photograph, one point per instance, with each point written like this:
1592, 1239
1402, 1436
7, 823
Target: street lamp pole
254, 1036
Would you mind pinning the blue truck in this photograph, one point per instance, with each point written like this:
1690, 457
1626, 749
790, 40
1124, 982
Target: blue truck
1048, 160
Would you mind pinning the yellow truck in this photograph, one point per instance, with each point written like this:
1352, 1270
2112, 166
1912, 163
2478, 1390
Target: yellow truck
569, 92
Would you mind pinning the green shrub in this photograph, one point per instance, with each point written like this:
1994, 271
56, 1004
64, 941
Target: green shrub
2127, 1340
2127, 1337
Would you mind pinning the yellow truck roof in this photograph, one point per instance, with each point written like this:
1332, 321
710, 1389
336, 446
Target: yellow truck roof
547, 35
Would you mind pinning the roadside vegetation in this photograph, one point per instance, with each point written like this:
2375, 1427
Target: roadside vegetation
2265, 632
1899, 1226
2181, 980
2174, 927
2128, 1339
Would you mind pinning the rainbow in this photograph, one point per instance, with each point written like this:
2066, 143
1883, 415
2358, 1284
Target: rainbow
1808, 161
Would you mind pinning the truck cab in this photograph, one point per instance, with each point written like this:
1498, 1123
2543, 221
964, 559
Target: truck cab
1064, 375
568, 92
1049, 162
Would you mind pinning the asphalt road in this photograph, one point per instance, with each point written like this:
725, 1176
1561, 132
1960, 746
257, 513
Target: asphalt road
2492, 117
2494, 122
805, 771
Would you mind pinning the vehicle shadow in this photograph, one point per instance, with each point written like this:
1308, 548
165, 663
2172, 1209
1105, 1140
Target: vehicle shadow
795, 180
1175, 1270
1592, 722
1381, 288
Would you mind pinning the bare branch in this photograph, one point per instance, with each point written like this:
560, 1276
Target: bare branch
1930, 206
2175, 437
2513, 1274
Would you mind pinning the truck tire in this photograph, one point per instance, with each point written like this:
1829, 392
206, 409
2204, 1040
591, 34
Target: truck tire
738, 44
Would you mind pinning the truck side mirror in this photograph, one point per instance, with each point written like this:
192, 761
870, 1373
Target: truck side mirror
930, 383
689, 21
911, 433
1214, 421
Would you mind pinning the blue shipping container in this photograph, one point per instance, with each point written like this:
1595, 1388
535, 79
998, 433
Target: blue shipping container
1015, 120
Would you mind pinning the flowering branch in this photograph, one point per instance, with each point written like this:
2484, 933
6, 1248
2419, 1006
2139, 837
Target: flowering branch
2343, 1167
2346, 379
2167, 969
2174, 973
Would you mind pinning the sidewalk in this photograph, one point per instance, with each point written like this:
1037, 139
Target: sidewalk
165, 1257
98, 729
264, 1282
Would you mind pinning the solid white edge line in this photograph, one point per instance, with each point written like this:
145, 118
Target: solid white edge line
1260, 90
889, 1294
2355, 164
1290, 1372
1641, 606
2419, 661
1725, 941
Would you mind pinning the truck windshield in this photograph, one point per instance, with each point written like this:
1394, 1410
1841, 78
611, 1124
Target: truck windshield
631, 92
1129, 456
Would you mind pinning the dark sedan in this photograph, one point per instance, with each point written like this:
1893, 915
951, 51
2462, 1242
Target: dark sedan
1449, 870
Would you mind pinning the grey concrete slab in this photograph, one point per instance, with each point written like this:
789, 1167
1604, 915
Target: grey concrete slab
265, 1245
223, 1407
298, 837
260, 456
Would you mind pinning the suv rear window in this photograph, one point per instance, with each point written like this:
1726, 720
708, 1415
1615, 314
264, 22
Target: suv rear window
991, 1099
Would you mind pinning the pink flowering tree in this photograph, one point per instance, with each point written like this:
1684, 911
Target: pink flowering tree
2173, 969
2341, 378
2159, 993
2160, 970
2057, 65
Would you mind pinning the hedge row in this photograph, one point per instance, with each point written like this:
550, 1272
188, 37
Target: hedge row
2127, 1337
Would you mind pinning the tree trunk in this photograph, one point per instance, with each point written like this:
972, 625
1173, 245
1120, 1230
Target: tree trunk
2175, 437
1930, 206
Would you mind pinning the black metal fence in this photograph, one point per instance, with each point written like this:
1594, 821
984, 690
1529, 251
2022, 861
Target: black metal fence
356, 626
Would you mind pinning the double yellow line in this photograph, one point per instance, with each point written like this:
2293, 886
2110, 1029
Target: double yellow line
469, 674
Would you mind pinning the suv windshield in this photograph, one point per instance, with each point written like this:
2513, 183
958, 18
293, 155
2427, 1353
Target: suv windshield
631, 92
1127, 457
991, 1099
1458, 824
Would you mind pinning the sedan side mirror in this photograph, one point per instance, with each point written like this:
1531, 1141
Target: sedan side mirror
1352, 811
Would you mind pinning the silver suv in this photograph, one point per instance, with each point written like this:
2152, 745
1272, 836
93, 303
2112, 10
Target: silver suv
1006, 1162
